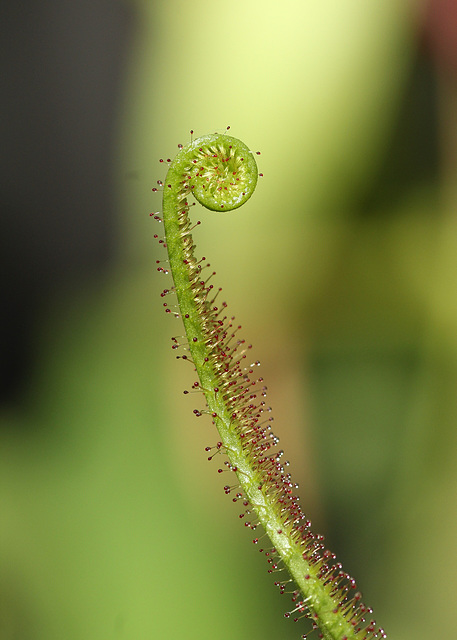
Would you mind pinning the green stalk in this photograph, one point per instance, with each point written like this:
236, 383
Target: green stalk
222, 173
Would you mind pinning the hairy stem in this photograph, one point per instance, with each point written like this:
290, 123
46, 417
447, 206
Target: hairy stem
221, 173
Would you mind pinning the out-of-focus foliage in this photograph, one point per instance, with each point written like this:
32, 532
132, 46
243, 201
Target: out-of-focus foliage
342, 271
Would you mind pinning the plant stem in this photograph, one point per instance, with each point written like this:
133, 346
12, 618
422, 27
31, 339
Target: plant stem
221, 172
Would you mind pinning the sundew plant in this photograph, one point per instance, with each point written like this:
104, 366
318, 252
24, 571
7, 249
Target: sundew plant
221, 173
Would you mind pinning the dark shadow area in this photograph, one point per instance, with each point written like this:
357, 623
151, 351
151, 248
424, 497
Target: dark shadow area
61, 79
411, 156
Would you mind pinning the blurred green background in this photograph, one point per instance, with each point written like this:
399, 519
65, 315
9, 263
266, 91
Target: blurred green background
341, 269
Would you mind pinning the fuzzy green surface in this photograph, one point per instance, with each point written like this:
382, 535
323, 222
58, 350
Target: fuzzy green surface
207, 168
